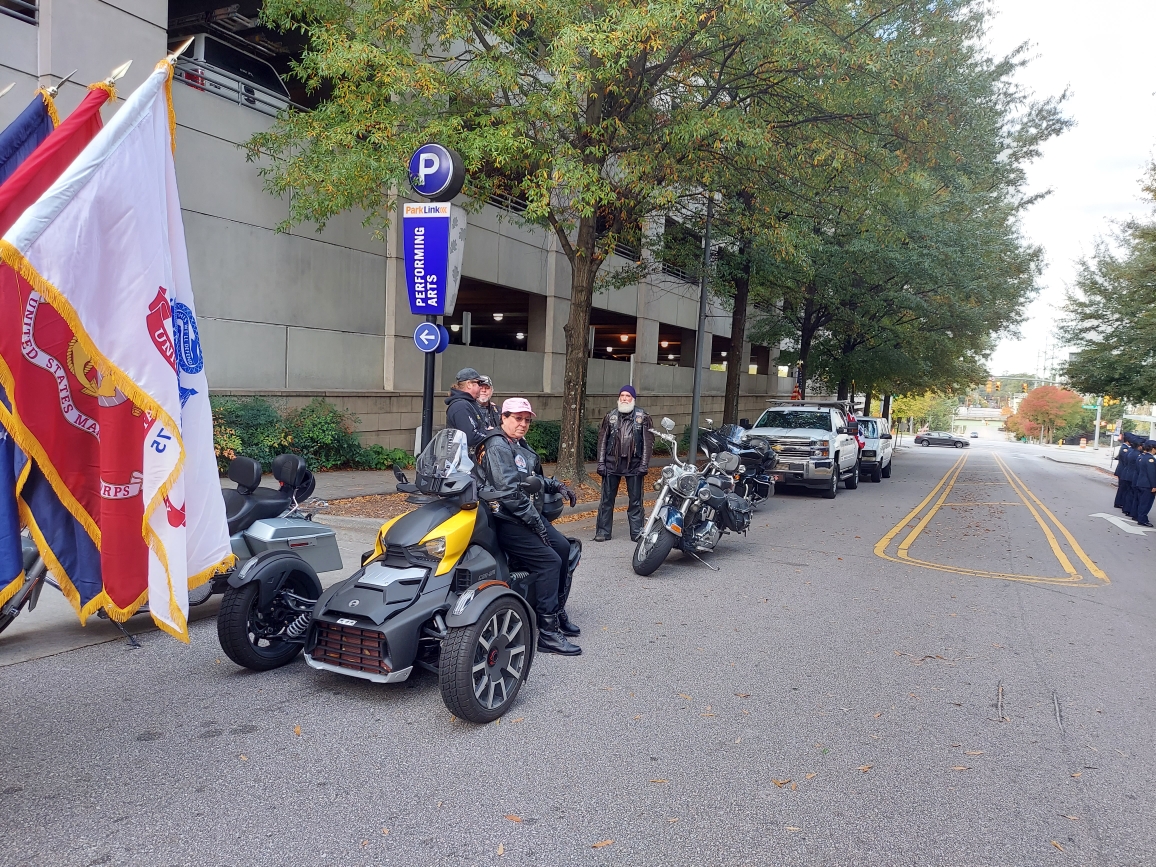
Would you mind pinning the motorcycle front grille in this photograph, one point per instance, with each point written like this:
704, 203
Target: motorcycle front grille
351, 647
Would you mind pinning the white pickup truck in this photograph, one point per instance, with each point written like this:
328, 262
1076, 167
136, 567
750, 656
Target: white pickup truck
814, 444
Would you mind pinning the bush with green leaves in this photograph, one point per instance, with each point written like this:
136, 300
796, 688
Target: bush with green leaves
544, 436
319, 432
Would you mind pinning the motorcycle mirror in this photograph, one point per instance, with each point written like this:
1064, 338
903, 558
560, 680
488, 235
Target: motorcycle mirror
532, 485
667, 424
710, 424
745, 422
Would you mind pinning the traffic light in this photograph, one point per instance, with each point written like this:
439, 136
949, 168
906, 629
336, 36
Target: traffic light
998, 384
989, 386
1024, 387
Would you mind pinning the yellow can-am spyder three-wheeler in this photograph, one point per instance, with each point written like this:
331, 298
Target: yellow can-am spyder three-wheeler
436, 592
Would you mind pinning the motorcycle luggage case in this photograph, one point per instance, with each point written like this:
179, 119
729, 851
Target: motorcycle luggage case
737, 515
315, 543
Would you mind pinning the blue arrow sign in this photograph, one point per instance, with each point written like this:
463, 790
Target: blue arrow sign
427, 336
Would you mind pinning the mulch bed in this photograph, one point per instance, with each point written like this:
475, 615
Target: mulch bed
386, 506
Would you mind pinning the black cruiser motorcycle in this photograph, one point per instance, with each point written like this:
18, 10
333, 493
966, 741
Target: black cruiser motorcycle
694, 509
757, 460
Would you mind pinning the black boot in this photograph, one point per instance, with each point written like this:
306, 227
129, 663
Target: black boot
567, 626
551, 639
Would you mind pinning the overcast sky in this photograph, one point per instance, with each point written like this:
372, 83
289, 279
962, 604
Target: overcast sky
1101, 52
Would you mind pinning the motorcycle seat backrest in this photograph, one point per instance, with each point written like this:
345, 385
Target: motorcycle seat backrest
243, 510
246, 472
295, 478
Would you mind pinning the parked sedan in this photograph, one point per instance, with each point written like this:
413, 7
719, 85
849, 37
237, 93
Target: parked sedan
940, 438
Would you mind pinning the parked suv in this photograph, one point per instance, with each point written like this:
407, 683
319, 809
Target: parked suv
875, 459
813, 442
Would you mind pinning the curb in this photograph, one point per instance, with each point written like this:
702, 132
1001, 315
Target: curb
1078, 464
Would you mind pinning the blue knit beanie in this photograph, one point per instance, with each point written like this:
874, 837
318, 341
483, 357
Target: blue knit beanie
629, 389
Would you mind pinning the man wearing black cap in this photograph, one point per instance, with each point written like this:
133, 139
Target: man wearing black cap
1145, 484
625, 445
1128, 475
462, 410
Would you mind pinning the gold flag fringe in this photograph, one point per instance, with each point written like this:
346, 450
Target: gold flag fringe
49, 105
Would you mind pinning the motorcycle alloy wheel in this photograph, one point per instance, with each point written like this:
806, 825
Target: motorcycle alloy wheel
484, 664
652, 549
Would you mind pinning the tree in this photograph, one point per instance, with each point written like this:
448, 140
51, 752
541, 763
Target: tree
929, 409
1050, 407
1110, 314
600, 114
1021, 426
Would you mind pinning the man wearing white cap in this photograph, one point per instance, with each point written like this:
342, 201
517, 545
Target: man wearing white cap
504, 462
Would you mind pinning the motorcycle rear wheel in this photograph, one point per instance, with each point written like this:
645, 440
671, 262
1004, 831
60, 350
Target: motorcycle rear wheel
484, 664
652, 549
238, 627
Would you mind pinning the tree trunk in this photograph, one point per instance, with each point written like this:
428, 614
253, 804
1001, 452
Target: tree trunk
842, 390
867, 398
886, 411
584, 268
738, 337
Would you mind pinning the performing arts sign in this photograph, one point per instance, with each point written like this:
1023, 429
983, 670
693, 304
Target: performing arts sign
433, 242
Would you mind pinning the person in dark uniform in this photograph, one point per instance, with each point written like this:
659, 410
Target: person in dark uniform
504, 461
1145, 484
1124, 453
462, 410
625, 445
1130, 468
491, 415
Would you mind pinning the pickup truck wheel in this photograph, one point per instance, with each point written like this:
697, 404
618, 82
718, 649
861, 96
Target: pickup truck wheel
876, 473
887, 470
832, 489
852, 481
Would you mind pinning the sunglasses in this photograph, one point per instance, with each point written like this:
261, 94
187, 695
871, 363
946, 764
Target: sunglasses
522, 419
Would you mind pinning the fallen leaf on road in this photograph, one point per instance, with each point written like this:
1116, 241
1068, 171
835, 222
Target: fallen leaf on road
660, 781
737, 740
1076, 774
1057, 845
385, 832
794, 787
601, 843
638, 716
708, 707
245, 758
743, 694
1073, 818
364, 843
960, 768
781, 783
672, 821
793, 828
865, 768
709, 714
811, 776
974, 753
684, 695
519, 719
501, 849
878, 714
513, 818
297, 730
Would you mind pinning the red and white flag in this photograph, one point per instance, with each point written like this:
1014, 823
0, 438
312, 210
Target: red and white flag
116, 411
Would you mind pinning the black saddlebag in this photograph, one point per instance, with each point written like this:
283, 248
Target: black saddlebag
736, 515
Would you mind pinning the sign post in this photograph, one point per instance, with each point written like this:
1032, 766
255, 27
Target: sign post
433, 244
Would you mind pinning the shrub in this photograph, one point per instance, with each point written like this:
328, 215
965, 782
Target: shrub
544, 438
319, 432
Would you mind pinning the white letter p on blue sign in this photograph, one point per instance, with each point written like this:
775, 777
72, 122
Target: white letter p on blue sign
427, 164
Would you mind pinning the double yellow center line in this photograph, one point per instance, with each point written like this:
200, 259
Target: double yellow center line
921, 515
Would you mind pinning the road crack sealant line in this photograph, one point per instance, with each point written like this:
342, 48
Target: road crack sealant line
939, 495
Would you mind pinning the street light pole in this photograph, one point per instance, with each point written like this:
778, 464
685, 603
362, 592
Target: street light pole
1099, 406
700, 334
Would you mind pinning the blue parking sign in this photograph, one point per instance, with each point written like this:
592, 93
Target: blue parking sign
433, 244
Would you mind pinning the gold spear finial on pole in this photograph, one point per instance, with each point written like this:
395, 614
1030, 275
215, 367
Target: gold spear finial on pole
118, 73
172, 58
55, 89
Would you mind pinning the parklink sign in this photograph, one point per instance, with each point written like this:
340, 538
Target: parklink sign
433, 241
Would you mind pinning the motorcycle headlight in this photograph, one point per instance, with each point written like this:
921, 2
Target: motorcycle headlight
704, 493
686, 484
742, 469
431, 549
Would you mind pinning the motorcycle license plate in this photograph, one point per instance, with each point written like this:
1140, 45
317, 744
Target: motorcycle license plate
778, 477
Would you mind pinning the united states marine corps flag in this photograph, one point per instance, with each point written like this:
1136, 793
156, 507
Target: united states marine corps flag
101, 363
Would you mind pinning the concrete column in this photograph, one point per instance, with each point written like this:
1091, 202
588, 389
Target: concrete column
646, 341
686, 350
538, 324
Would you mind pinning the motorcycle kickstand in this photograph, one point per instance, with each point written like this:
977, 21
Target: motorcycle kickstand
708, 565
131, 638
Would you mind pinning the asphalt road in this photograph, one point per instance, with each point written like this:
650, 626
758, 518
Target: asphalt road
974, 688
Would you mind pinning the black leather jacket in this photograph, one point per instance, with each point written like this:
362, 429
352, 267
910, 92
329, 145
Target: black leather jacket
502, 465
463, 413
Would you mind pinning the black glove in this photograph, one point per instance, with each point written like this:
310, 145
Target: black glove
569, 495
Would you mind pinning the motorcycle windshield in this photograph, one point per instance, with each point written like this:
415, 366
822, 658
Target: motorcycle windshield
446, 453
733, 434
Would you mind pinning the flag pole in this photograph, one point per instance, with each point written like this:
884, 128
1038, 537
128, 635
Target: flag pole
6, 89
55, 89
172, 58
118, 73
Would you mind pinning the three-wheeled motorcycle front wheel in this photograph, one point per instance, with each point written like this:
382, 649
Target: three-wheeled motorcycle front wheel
652, 549
255, 639
484, 664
